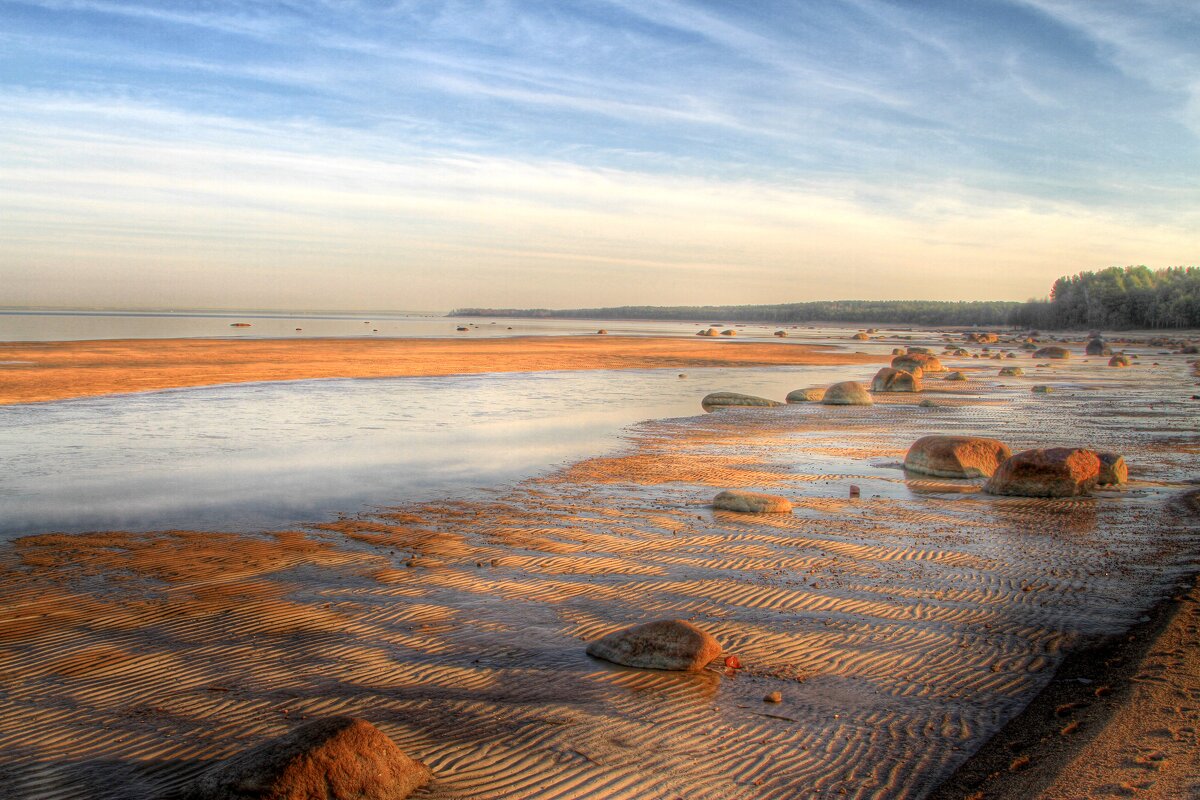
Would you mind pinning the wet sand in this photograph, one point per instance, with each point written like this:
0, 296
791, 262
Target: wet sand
903, 628
1120, 719
41, 371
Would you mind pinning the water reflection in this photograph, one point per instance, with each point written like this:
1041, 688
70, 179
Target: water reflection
270, 455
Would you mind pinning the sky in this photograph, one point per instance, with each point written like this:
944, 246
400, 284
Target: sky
355, 154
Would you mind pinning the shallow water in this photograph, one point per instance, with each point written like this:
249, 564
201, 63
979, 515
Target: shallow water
26, 326
270, 455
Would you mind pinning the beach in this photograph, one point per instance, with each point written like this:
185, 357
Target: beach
903, 627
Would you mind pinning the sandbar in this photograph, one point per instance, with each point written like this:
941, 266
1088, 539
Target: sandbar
45, 371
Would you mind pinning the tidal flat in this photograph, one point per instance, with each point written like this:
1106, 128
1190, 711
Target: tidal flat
902, 625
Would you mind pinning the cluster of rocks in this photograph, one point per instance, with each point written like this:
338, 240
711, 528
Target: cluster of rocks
1041, 472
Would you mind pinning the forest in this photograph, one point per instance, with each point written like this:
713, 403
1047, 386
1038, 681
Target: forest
1117, 298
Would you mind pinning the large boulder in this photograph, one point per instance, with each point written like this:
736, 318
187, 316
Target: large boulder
1113, 470
895, 380
847, 393
735, 399
1049, 472
1120, 360
813, 395
1097, 347
1053, 351
338, 758
665, 644
751, 502
956, 456
909, 362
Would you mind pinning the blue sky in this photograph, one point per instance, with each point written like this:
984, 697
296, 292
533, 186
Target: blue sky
346, 154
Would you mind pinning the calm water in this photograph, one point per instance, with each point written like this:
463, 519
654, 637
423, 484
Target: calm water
274, 454
21, 326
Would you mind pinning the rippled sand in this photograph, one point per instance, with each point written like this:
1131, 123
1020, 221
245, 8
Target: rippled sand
901, 628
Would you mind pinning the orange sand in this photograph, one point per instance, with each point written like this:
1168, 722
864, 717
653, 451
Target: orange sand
59, 370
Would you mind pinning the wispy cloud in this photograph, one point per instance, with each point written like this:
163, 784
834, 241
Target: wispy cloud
857, 141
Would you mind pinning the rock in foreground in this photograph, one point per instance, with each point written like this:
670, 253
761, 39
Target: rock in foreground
751, 502
805, 395
735, 399
847, 393
956, 456
895, 380
1113, 470
337, 758
1050, 472
665, 644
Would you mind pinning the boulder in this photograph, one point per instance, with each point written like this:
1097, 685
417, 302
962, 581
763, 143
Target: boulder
1047, 472
1012, 372
781, 334
729, 332
860, 337
927, 403
847, 393
751, 502
1041, 388
956, 376
337, 758
956, 456
734, 399
1120, 360
707, 332
1113, 470
665, 644
909, 362
601, 332
805, 395
895, 380
1029, 346
924, 351
1053, 351
1097, 347
897, 351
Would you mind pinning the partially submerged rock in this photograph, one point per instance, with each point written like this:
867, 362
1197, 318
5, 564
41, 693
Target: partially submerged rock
1113, 470
665, 644
956, 456
812, 395
895, 380
1047, 472
1012, 372
847, 393
751, 502
735, 399
336, 757
1053, 351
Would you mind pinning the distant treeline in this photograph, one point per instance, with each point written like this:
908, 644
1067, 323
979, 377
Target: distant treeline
1114, 298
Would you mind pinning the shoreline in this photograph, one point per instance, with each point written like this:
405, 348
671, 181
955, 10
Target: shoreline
48, 371
1100, 727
